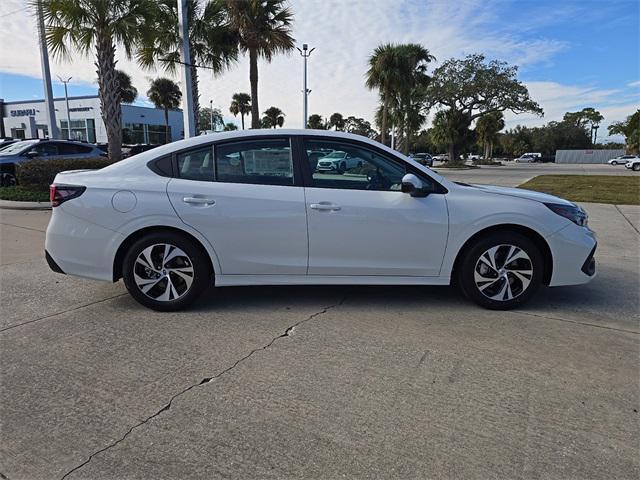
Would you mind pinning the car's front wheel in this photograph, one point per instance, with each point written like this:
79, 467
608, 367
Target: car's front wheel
635, 167
614, 163
501, 271
165, 271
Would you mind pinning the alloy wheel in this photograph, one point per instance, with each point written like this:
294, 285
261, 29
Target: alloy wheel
163, 272
503, 272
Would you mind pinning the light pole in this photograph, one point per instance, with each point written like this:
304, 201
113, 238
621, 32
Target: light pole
185, 60
211, 112
46, 75
66, 99
306, 53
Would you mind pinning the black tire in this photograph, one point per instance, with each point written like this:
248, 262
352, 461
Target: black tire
470, 264
614, 163
635, 167
196, 260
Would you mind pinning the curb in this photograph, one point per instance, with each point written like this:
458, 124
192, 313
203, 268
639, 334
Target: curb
11, 205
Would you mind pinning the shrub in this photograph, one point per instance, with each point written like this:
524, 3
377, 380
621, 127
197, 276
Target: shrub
38, 174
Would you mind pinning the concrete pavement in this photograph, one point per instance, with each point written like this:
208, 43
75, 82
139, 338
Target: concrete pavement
318, 382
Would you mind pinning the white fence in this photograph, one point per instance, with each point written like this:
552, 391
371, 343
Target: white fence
586, 156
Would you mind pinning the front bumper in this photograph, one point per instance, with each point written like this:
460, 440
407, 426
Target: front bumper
572, 249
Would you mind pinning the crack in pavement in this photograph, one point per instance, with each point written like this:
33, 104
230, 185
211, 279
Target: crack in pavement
61, 313
566, 320
205, 381
627, 219
20, 226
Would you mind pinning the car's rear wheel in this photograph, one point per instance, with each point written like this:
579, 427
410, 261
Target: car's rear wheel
165, 271
614, 163
501, 271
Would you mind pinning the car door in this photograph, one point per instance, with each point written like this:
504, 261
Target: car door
244, 198
360, 223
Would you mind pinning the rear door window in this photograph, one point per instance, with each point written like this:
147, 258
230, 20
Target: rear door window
259, 162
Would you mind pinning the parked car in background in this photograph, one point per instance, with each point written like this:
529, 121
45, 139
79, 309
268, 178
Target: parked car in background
5, 142
633, 164
131, 150
25, 150
443, 157
339, 162
528, 158
423, 159
247, 208
622, 159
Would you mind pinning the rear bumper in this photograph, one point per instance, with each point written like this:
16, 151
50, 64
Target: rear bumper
52, 263
75, 246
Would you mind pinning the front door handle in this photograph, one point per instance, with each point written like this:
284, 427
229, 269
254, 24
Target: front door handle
327, 206
199, 200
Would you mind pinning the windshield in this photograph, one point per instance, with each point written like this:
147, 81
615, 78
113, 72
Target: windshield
335, 155
18, 147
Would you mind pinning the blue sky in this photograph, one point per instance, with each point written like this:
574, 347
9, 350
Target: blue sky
571, 54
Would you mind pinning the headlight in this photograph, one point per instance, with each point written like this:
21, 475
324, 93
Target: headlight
571, 212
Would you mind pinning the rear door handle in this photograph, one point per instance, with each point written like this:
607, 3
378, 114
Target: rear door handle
199, 200
327, 206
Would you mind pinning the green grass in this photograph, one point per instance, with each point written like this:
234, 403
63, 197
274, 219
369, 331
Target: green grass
616, 189
21, 194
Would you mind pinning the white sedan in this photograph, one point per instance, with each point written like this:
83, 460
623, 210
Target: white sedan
248, 208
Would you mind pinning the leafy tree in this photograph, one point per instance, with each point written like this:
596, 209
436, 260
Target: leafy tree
128, 92
212, 43
264, 29
165, 94
487, 128
587, 117
204, 119
273, 117
472, 87
336, 121
630, 128
359, 126
229, 126
240, 104
316, 122
545, 139
100, 26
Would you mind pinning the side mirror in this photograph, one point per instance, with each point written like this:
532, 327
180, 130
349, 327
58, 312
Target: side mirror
413, 186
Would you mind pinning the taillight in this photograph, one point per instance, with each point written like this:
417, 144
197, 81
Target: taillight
58, 194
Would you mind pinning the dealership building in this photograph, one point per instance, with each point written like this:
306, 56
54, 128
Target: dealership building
27, 119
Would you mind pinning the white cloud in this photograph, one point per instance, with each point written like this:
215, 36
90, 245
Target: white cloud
344, 34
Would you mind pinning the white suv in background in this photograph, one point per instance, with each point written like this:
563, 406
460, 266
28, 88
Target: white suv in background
633, 164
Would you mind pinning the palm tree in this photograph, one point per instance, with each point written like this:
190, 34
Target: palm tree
228, 127
128, 93
412, 64
273, 117
264, 29
336, 120
487, 128
212, 43
165, 94
384, 75
240, 104
100, 26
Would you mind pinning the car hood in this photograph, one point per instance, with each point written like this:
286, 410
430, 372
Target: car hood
522, 193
